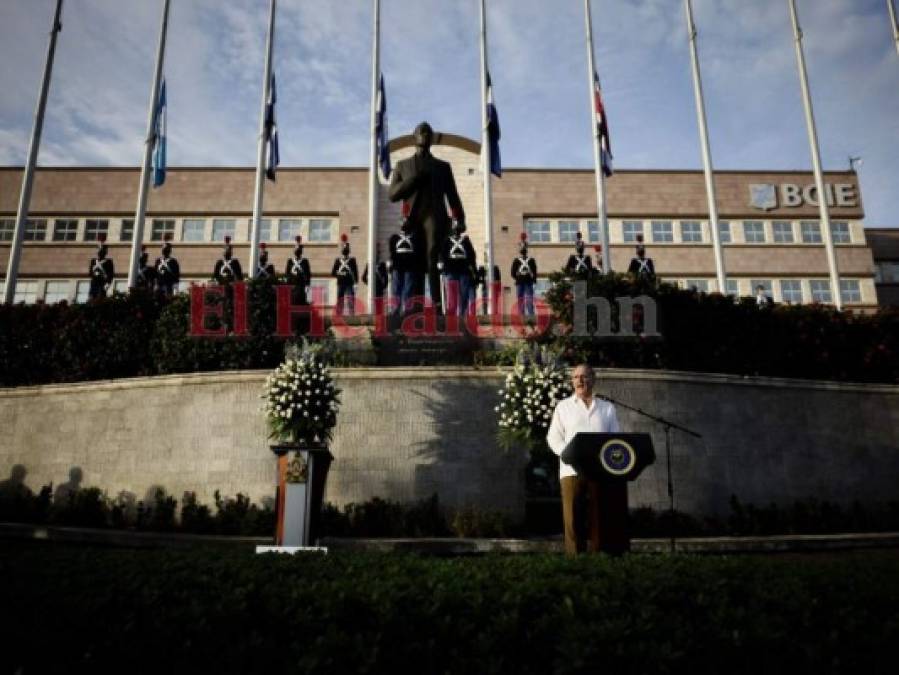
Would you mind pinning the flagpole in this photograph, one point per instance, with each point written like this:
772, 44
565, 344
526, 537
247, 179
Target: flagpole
15, 249
485, 167
706, 152
893, 23
816, 160
140, 212
260, 160
373, 164
597, 150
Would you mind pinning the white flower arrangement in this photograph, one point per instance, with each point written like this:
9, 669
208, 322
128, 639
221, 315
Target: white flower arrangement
298, 414
532, 391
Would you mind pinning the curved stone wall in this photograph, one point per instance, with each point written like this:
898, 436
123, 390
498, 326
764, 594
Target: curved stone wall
406, 433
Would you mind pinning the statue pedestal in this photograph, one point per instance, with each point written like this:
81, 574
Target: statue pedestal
302, 473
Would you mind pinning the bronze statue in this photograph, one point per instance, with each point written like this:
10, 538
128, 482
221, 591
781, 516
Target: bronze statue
427, 185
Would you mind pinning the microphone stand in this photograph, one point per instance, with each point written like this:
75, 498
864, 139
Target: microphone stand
668, 425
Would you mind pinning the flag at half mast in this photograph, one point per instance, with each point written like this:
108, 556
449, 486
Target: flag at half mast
159, 139
271, 133
602, 128
493, 133
383, 151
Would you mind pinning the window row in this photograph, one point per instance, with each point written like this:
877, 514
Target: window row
787, 291
313, 230
551, 231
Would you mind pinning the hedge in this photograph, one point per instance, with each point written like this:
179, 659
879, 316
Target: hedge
68, 609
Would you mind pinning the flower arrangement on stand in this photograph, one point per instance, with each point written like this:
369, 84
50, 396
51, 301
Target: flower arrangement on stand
301, 400
532, 390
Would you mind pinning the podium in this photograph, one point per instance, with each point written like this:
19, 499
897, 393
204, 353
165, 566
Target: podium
301, 489
611, 460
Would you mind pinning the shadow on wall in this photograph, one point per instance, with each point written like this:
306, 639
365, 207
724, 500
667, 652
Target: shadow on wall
462, 463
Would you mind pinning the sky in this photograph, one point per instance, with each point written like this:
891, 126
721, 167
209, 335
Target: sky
97, 108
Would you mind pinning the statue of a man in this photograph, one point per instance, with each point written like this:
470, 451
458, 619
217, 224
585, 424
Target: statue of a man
427, 185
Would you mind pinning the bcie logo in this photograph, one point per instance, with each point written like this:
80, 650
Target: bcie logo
764, 196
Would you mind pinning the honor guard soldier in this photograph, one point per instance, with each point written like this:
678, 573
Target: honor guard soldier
458, 262
642, 267
168, 271
597, 265
762, 299
405, 254
101, 271
524, 274
579, 264
298, 273
264, 269
146, 275
227, 268
346, 272
382, 275
482, 282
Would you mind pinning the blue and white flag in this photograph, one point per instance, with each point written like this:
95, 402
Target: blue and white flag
381, 139
159, 139
602, 128
271, 132
493, 133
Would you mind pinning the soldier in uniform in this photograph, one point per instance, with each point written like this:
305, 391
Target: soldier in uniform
405, 250
482, 282
146, 275
227, 269
458, 263
346, 272
264, 269
298, 274
382, 275
101, 271
642, 267
579, 265
524, 274
427, 185
168, 271
762, 299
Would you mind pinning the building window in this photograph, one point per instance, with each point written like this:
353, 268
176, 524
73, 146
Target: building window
35, 230
691, 231
733, 287
631, 229
839, 233
699, 285
538, 231
193, 229
753, 232
320, 230
65, 230
120, 286
811, 232
821, 291
886, 272
783, 232
82, 291
325, 286
662, 231
56, 291
541, 286
127, 231
764, 283
791, 291
265, 229
223, 227
26, 291
94, 228
724, 232
7, 228
568, 230
850, 291
288, 229
593, 235
161, 228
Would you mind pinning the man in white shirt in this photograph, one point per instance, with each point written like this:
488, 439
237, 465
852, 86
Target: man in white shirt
579, 412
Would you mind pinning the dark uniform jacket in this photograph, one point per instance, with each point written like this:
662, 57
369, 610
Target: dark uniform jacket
265, 271
345, 271
101, 274
168, 272
642, 268
406, 252
380, 278
227, 271
425, 182
458, 256
524, 270
298, 271
579, 264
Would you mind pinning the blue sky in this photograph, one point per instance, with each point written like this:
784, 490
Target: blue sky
430, 59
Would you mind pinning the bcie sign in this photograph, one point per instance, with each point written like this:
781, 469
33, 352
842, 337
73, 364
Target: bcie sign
764, 196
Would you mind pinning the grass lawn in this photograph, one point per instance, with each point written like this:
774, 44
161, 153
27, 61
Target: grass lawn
68, 608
